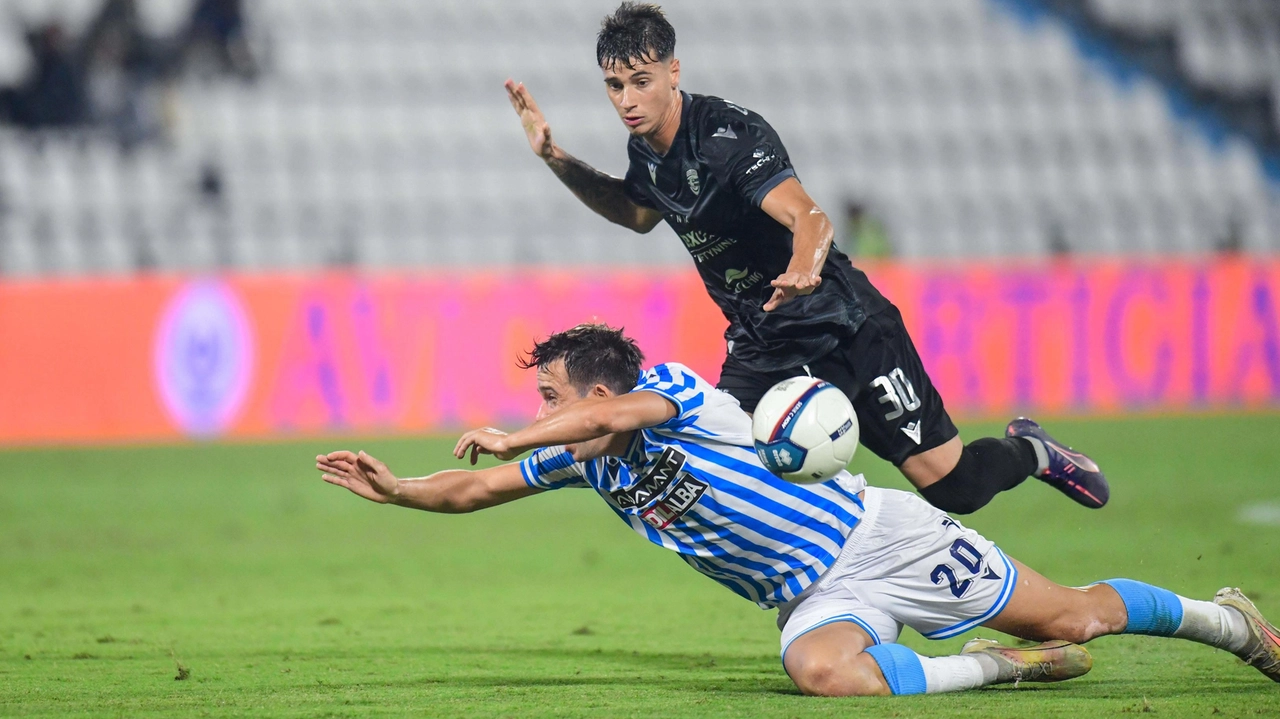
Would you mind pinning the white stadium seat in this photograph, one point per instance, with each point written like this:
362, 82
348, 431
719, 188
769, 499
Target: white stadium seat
379, 131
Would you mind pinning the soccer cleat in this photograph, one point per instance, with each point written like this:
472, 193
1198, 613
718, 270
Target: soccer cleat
1072, 473
1263, 650
1054, 661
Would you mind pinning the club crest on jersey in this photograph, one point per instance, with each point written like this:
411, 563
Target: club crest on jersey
653, 173
694, 184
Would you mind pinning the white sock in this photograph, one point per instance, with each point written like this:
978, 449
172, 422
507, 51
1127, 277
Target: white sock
1213, 624
956, 673
1042, 455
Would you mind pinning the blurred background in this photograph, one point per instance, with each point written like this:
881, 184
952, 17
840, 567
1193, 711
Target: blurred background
249, 231
1075, 202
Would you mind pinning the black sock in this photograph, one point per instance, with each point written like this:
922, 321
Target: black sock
986, 468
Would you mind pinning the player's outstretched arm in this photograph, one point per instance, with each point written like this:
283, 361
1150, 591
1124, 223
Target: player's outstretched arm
580, 422
601, 192
451, 491
812, 234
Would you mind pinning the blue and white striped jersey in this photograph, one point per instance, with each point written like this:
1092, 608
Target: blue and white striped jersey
694, 485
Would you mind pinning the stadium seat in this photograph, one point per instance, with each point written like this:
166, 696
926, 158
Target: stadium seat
378, 133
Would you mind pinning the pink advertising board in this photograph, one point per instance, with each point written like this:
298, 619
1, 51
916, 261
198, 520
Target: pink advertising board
260, 356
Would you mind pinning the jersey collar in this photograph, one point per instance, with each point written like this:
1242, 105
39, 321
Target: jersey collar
686, 101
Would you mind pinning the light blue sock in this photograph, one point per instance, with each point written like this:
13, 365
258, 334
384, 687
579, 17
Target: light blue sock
1152, 610
901, 668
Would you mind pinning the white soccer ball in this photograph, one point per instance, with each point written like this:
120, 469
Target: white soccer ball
805, 430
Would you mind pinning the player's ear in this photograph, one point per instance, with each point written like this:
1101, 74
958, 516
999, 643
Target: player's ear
675, 72
600, 392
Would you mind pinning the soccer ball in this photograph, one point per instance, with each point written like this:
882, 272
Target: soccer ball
805, 430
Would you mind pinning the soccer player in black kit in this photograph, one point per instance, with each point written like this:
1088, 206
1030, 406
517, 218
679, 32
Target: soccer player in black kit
719, 175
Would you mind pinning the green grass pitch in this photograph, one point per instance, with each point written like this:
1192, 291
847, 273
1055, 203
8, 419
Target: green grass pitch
228, 580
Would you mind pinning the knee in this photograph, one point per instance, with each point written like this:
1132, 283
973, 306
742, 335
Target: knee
857, 676
954, 496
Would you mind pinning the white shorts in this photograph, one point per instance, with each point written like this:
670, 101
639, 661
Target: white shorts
905, 563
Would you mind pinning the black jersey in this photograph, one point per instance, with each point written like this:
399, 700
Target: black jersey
709, 187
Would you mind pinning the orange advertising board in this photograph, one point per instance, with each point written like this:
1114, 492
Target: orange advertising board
269, 355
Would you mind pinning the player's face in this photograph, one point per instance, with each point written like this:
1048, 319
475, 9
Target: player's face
557, 394
645, 95
556, 390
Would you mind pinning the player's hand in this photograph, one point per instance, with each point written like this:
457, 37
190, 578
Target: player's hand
789, 286
484, 441
535, 125
361, 473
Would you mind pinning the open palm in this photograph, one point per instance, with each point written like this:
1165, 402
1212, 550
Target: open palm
535, 125
361, 473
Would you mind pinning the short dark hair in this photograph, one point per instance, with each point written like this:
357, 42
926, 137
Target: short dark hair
635, 33
593, 354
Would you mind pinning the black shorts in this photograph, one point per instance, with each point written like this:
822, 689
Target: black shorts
900, 413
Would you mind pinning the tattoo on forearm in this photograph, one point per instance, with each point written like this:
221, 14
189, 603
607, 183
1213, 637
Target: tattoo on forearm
601, 192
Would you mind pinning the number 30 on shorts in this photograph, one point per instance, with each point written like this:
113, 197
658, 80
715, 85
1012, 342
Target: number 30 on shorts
969, 558
898, 392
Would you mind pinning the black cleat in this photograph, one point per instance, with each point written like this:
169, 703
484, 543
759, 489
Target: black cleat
1072, 473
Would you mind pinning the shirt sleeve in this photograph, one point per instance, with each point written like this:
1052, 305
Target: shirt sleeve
744, 152
633, 183
553, 468
680, 387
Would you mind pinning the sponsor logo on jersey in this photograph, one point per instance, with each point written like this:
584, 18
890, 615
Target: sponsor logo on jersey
722, 244
653, 173
763, 156
665, 489
654, 482
679, 500
696, 238
726, 132
694, 184
740, 280
704, 245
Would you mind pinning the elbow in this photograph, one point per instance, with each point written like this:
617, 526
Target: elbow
644, 222
817, 218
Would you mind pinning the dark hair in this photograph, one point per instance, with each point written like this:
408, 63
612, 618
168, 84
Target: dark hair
593, 354
635, 33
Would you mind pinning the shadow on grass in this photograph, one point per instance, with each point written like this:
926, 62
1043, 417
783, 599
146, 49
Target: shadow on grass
735, 676
702, 673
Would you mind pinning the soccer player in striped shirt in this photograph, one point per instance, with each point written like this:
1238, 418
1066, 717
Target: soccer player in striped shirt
846, 565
